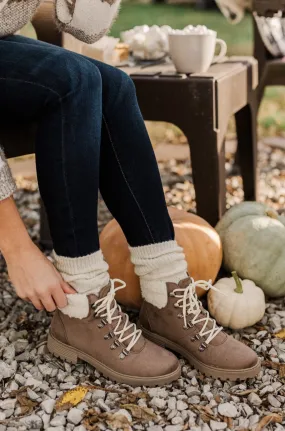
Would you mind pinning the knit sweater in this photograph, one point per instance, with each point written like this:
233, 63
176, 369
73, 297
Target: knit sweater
87, 20
7, 184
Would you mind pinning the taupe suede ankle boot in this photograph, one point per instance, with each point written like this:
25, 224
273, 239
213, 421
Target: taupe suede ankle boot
114, 346
186, 328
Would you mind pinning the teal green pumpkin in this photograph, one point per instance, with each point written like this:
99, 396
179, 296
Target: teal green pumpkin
253, 239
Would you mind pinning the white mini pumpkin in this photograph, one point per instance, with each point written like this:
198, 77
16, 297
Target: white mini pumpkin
236, 304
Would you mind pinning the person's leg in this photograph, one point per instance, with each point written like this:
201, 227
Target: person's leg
130, 184
131, 187
62, 93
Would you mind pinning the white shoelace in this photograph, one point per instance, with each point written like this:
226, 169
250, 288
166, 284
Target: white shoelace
107, 306
190, 304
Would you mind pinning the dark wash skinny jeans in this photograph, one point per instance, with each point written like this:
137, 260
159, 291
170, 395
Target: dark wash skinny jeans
91, 136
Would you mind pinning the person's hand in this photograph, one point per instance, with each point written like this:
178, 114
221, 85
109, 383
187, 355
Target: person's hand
36, 279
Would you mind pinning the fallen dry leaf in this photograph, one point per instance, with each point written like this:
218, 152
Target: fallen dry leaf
282, 371
271, 364
281, 334
117, 421
114, 421
229, 422
27, 405
142, 413
246, 392
275, 366
205, 412
71, 398
130, 398
272, 418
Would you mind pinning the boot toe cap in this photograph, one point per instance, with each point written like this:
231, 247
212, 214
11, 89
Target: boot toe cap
158, 361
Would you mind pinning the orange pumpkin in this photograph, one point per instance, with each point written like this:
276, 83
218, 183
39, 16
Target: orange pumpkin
201, 244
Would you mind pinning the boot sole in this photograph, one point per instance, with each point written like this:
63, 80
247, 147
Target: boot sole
71, 354
217, 373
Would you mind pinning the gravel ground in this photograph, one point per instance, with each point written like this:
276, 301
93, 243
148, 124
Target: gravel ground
31, 381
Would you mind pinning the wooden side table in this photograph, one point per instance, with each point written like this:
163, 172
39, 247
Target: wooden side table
201, 105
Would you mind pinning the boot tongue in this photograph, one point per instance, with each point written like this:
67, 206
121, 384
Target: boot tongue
220, 337
103, 293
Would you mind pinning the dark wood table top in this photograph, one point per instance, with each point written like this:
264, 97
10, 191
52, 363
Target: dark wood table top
227, 69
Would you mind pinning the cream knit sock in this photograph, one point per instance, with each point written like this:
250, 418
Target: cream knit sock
87, 275
157, 264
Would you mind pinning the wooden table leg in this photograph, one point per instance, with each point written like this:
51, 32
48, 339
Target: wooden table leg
208, 168
247, 149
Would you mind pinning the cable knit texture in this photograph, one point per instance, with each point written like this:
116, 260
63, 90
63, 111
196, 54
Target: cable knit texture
7, 184
87, 20
156, 265
87, 275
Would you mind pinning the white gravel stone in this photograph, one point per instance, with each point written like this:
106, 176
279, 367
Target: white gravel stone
177, 420
6, 370
254, 399
58, 420
158, 392
34, 383
3, 341
97, 394
20, 379
74, 416
228, 410
9, 353
32, 394
56, 429
194, 400
21, 345
46, 419
216, 426
171, 403
80, 428
48, 405
8, 404
254, 419
266, 390
273, 401
158, 402
32, 421
2, 416
181, 405
247, 409
205, 427
173, 428
103, 406
155, 428
192, 390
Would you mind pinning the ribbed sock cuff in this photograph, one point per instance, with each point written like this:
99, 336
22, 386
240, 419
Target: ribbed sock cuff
86, 274
156, 265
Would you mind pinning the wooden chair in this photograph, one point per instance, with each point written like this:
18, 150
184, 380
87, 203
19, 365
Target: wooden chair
271, 70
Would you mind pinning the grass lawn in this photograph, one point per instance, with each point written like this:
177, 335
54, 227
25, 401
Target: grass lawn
238, 37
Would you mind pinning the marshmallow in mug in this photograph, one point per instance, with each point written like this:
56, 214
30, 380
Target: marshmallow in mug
190, 29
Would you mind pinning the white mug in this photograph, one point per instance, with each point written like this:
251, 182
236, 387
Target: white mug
194, 53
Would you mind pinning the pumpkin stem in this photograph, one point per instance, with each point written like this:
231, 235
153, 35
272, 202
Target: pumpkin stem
272, 214
236, 278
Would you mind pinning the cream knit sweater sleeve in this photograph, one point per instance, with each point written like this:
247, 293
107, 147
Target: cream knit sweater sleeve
87, 20
7, 184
